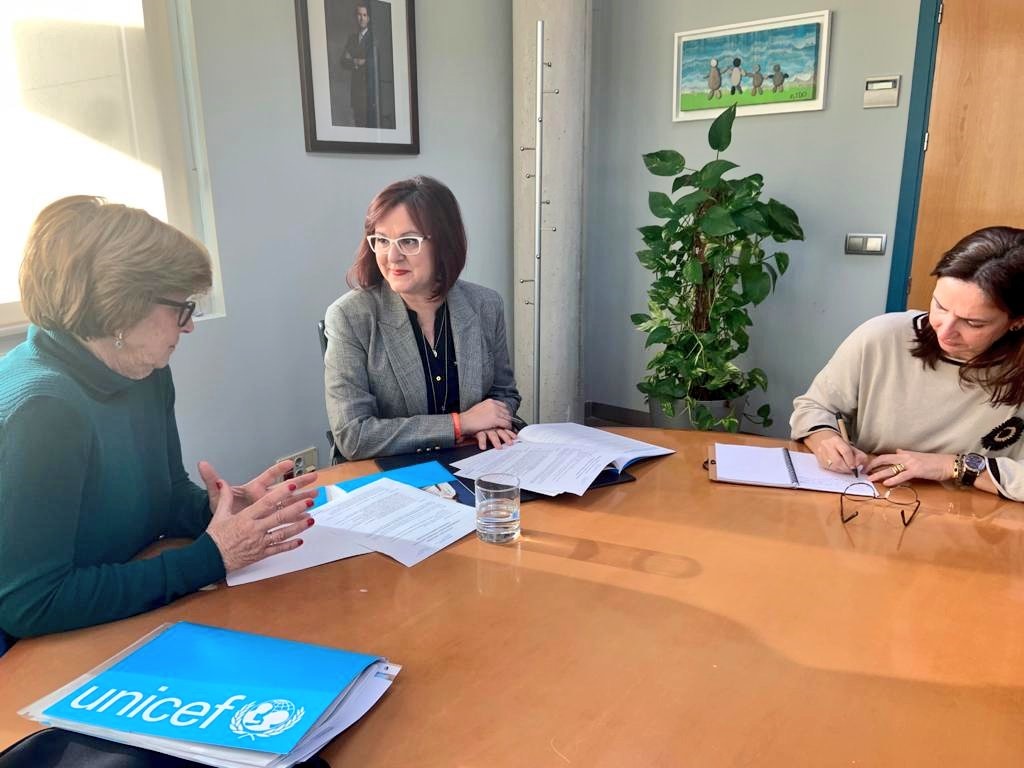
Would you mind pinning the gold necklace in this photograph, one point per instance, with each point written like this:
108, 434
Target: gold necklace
430, 375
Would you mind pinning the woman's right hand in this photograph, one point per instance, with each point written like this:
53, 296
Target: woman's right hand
833, 453
485, 415
261, 529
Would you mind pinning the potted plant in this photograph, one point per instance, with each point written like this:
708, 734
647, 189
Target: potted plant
710, 266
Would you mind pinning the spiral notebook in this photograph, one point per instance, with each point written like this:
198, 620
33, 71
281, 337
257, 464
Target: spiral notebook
780, 468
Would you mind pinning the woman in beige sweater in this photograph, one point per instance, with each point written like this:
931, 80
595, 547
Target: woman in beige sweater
936, 395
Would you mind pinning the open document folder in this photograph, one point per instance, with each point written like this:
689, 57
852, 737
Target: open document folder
220, 697
559, 458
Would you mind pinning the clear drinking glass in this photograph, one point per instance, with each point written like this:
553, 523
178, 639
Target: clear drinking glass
497, 508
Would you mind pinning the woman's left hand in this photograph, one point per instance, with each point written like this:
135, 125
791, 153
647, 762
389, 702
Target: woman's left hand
924, 466
496, 437
248, 494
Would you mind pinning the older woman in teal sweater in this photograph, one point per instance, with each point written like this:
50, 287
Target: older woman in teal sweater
90, 462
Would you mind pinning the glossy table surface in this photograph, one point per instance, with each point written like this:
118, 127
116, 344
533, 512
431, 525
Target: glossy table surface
671, 621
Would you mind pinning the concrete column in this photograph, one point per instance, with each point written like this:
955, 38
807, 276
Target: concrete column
567, 47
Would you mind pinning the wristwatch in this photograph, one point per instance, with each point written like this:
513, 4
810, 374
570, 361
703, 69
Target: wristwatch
970, 465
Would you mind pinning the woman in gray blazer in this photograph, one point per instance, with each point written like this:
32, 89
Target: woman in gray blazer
416, 359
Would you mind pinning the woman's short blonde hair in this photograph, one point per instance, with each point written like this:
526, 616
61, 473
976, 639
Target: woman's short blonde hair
93, 268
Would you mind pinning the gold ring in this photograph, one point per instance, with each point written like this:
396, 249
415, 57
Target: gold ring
279, 505
897, 469
829, 464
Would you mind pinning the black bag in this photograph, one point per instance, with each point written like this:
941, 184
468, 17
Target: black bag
57, 748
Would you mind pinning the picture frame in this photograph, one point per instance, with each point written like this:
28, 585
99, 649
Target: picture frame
357, 72
764, 67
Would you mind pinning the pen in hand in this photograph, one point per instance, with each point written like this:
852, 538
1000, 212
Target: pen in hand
841, 423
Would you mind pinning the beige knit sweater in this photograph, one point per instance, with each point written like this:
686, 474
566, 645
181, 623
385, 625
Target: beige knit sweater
892, 401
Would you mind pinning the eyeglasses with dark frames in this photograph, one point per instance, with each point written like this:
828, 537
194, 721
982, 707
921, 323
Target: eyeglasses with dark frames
408, 245
186, 309
902, 497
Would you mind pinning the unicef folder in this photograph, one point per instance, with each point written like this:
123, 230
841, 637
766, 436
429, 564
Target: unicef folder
220, 697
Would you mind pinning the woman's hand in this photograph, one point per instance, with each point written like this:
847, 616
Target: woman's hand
833, 453
261, 529
911, 465
496, 437
244, 495
486, 415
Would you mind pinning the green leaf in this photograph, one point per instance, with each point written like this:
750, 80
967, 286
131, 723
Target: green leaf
660, 205
782, 260
693, 272
649, 259
711, 173
639, 318
717, 222
720, 133
687, 204
664, 162
659, 335
686, 180
787, 221
764, 411
750, 220
756, 284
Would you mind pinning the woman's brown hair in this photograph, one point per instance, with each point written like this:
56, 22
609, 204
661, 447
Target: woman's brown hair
992, 259
435, 212
93, 268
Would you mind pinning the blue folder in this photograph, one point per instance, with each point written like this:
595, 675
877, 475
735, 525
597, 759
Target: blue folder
216, 686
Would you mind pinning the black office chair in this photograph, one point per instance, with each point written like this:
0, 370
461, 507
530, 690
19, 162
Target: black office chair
321, 332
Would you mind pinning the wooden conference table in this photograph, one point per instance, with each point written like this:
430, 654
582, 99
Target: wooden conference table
666, 622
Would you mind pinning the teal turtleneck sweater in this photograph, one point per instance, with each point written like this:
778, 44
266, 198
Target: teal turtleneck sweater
90, 475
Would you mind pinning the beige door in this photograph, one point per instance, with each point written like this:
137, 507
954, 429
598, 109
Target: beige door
974, 165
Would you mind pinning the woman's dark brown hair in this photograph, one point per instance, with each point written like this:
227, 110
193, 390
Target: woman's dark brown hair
992, 259
435, 212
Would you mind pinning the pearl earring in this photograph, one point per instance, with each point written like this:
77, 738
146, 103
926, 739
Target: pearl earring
119, 340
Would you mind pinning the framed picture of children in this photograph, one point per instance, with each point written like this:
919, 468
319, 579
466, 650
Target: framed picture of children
763, 67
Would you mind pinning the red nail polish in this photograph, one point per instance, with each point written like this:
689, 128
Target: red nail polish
299, 542
220, 484
309, 503
309, 522
292, 486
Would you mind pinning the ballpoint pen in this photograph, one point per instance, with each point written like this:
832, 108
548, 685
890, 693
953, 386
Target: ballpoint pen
841, 423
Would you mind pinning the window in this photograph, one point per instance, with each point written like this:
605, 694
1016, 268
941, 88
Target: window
99, 98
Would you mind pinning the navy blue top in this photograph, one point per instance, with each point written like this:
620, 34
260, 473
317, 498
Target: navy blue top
440, 369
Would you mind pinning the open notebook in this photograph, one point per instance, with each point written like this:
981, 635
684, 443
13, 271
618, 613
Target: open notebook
781, 468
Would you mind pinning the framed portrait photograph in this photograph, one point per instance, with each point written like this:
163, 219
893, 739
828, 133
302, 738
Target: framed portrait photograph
763, 67
357, 66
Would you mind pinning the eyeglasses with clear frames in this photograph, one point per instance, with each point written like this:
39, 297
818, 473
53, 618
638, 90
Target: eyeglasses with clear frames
186, 309
854, 501
408, 245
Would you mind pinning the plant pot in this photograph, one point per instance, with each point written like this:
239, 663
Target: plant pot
719, 408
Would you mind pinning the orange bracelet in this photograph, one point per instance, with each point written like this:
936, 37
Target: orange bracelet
457, 423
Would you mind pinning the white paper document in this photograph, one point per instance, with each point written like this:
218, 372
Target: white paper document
547, 469
558, 458
319, 545
398, 520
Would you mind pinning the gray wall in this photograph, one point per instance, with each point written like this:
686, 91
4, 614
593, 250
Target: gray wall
838, 168
250, 385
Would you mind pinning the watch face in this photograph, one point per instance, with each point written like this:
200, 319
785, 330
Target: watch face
975, 462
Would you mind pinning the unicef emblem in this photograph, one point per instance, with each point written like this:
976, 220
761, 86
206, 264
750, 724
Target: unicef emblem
265, 718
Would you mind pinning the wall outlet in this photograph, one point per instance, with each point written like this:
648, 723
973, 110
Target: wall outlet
305, 461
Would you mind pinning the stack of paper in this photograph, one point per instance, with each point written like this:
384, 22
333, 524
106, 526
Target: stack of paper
559, 458
220, 697
324, 543
397, 520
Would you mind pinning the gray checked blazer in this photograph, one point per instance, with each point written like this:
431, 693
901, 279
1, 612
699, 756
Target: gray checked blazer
373, 377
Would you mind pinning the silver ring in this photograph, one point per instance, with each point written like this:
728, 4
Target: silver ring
279, 505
